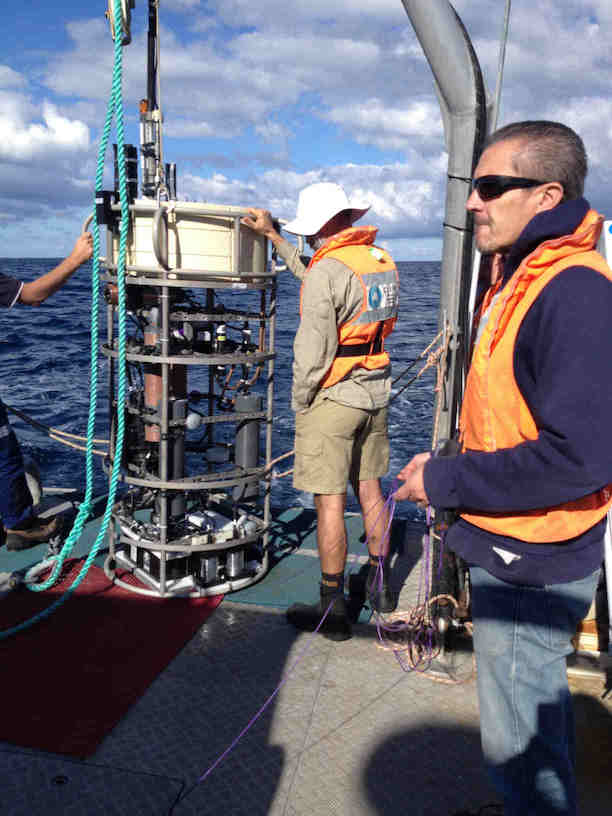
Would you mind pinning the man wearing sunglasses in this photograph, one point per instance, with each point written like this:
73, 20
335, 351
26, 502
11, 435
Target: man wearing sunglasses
532, 485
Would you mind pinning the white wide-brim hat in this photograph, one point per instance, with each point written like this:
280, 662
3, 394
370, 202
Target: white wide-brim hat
319, 202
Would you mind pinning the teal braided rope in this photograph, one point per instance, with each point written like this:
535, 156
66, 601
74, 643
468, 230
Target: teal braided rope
115, 105
85, 506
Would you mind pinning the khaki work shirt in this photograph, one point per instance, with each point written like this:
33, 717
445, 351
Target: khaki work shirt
332, 294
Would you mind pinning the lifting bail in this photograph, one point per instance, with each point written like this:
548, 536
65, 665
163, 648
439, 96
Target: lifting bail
160, 236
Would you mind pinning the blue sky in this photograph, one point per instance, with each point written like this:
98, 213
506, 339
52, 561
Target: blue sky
260, 99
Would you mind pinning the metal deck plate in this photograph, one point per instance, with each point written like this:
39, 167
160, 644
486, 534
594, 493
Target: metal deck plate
34, 783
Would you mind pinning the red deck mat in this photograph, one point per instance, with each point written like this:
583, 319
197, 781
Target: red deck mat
67, 680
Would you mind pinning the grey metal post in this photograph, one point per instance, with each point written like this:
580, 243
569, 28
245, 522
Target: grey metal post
236, 247
164, 428
462, 97
270, 412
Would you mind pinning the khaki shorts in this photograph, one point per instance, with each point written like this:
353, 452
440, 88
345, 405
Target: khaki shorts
335, 443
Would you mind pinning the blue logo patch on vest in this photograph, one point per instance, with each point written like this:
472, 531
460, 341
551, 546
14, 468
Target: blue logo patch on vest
374, 296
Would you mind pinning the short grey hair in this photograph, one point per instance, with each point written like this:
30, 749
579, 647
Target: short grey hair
548, 151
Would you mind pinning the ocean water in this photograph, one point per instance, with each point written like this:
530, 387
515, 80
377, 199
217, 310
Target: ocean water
45, 354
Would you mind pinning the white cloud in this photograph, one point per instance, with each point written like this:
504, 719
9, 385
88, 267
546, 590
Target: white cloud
47, 171
375, 122
230, 82
202, 23
198, 84
188, 129
21, 140
10, 78
276, 12
592, 118
273, 132
181, 5
538, 68
603, 9
402, 203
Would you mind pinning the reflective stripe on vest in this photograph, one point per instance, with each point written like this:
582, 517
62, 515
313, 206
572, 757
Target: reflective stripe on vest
494, 414
378, 277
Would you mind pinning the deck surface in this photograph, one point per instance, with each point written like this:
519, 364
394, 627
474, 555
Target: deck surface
348, 733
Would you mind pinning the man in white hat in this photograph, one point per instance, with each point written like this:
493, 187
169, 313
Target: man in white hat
341, 386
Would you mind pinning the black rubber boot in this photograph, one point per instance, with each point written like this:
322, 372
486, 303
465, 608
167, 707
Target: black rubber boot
378, 593
336, 626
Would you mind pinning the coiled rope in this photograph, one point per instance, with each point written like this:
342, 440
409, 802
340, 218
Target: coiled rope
412, 635
114, 109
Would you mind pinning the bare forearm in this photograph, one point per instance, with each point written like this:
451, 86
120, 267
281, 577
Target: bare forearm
38, 290
35, 292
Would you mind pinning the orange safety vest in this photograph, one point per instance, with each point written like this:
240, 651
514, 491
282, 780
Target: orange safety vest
494, 414
361, 339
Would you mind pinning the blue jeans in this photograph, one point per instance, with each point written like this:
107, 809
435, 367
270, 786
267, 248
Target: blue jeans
521, 639
15, 497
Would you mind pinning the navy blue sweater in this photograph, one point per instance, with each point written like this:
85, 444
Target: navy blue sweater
563, 368
9, 290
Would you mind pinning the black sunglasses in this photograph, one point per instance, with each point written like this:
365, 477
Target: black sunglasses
490, 187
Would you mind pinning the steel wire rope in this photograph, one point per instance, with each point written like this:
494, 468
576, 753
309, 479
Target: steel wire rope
115, 106
432, 359
416, 359
491, 127
50, 431
500, 65
161, 169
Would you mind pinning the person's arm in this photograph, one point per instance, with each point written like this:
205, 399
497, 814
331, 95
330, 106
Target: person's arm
35, 292
564, 374
261, 222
